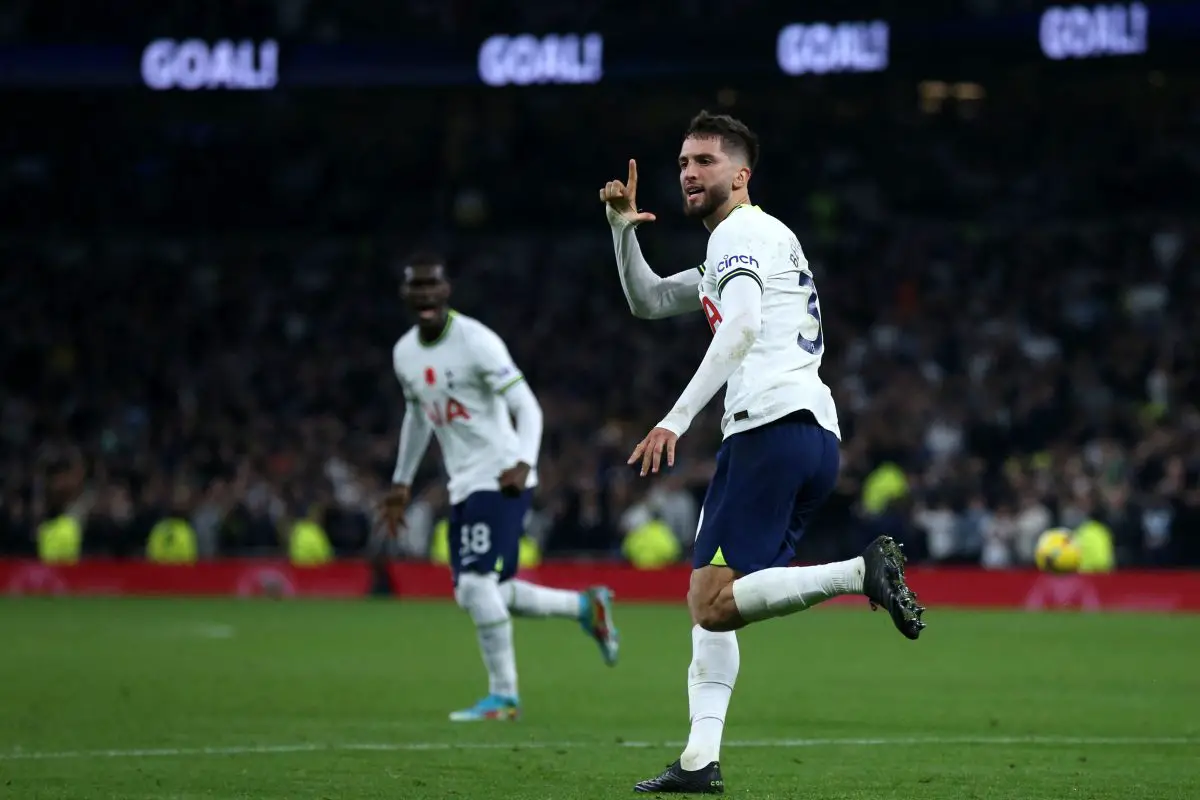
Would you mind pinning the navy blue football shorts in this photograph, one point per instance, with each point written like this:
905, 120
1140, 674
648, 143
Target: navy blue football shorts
768, 482
485, 533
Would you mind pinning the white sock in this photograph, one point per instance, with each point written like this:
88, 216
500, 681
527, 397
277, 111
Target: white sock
711, 677
500, 657
480, 596
530, 600
780, 591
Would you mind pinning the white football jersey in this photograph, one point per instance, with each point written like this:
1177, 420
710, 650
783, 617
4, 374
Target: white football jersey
780, 373
458, 382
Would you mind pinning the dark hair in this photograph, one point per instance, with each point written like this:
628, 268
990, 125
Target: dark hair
419, 259
733, 133
425, 258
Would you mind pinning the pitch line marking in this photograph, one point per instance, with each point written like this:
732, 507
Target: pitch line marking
399, 747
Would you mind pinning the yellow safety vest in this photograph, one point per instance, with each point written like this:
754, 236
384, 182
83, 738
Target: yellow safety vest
59, 540
886, 483
651, 545
1095, 544
172, 541
308, 545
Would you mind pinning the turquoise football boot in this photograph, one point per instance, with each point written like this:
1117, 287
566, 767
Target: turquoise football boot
596, 619
493, 706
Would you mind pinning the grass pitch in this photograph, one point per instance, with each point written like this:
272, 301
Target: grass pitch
292, 700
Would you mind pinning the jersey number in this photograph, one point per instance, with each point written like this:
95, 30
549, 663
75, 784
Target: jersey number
476, 540
454, 410
816, 345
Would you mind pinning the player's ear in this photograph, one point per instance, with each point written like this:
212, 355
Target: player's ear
741, 178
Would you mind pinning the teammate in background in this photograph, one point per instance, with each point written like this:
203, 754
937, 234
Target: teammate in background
779, 458
461, 384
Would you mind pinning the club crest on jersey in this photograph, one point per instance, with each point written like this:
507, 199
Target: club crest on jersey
430, 376
729, 262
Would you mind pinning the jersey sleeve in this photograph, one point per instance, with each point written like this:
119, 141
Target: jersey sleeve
742, 307
493, 362
410, 397
736, 250
648, 295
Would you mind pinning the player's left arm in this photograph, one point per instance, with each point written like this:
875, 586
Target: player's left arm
527, 413
740, 289
503, 377
741, 306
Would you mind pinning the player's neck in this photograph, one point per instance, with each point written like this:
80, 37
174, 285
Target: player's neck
735, 201
435, 330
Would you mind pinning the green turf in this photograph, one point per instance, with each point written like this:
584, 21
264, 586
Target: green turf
349, 700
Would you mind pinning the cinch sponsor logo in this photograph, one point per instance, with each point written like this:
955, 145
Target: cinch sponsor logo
730, 261
1082, 32
194, 64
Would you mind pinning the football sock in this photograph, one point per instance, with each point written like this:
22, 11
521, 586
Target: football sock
711, 677
480, 596
530, 600
779, 591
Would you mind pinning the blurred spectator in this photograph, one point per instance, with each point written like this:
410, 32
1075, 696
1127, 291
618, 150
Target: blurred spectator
201, 301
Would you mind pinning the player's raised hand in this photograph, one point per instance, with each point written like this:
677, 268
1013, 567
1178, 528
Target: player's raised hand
393, 506
621, 198
650, 450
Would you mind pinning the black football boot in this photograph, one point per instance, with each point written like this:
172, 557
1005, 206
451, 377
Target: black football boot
884, 586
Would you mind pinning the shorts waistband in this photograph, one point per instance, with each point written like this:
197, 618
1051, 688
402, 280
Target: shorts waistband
802, 415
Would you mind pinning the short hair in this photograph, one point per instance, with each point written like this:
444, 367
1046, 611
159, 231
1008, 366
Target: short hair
425, 258
420, 259
734, 134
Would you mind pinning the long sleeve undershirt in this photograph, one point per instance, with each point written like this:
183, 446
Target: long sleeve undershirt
415, 432
527, 413
650, 296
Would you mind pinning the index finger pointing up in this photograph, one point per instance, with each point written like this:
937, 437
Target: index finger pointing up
632, 182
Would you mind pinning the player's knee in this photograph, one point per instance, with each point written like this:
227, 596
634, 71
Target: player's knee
471, 589
716, 618
710, 599
709, 612
712, 605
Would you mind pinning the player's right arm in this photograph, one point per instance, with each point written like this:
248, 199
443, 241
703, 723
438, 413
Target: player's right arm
415, 432
649, 296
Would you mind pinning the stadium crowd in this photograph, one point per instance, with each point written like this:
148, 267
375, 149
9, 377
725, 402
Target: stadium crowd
199, 308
